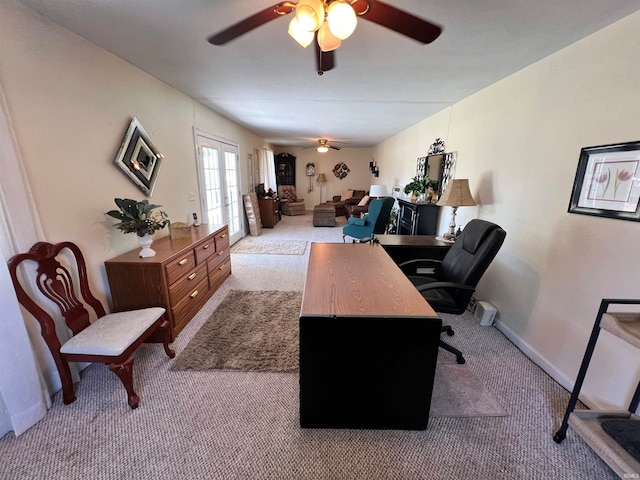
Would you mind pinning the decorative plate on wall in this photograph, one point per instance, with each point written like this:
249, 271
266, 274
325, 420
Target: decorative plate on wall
341, 170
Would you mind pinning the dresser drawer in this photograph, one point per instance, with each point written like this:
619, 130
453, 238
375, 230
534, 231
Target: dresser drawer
222, 240
183, 287
194, 299
218, 259
205, 250
219, 274
180, 266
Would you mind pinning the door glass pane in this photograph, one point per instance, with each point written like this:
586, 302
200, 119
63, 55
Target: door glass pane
214, 207
232, 191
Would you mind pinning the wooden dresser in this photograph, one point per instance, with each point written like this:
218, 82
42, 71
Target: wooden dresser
181, 277
269, 212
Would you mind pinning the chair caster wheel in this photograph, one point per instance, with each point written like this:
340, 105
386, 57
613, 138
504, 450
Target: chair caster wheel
559, 436
460, 359
450, 333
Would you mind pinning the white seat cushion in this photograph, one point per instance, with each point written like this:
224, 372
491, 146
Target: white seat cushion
114, 333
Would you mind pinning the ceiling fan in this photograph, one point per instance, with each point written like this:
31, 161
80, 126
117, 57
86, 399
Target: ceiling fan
328, 22
323, 146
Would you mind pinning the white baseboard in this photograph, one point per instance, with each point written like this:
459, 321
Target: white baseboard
542, 362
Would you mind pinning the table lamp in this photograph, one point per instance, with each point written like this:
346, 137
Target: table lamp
321, 180
377, 191
456, 195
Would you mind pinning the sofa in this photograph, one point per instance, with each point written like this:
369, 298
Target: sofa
353, 209
348, 197
290, 204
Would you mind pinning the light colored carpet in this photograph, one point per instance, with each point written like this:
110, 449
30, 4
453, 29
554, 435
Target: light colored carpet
257, 245
258, 331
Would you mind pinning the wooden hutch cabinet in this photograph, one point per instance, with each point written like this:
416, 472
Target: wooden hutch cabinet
285, 169
181, 277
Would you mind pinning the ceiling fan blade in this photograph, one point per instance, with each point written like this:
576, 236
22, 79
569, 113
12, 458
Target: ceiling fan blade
325, 61
402, 22
248, 24
335, 148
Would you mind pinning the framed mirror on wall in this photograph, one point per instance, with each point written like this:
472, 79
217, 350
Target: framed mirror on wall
139, 158
437, 167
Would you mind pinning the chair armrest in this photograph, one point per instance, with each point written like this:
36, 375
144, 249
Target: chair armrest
422, 262
449, 285
355, 221
411, 267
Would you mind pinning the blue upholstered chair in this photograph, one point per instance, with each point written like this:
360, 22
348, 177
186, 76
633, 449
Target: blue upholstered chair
374, 221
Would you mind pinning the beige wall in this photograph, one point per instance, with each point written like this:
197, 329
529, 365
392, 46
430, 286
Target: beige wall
70, 104
518, 142
359, 177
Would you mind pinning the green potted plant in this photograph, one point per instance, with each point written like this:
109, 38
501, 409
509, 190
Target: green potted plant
139, 218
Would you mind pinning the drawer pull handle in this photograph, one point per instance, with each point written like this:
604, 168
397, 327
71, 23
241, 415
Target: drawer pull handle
183, 261
223, 235
206, 246
221, 267
192, 276
221, 252
194, 294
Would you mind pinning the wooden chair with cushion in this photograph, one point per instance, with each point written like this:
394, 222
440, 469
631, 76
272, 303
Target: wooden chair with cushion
290, 203
60, 273
449, 288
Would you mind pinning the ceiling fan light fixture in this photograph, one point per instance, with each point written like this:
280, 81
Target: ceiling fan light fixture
322, 149
303, 37
341, 19
310, 14
326, 39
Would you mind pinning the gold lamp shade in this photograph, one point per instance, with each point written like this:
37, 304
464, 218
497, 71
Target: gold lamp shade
456, 195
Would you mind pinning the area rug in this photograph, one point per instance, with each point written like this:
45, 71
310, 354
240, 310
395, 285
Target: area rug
270, 247
258, 331
250, 330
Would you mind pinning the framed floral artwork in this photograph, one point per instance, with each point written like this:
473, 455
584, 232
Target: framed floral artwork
607, 182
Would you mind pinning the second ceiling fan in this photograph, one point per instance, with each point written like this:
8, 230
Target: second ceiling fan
323, 146
328, 22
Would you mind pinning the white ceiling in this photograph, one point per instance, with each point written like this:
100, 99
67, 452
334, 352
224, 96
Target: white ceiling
382, 84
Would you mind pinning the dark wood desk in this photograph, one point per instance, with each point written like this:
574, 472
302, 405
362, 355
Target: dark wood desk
407, 247
368, 342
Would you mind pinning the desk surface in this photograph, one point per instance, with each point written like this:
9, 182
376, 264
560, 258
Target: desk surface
430, 241
359, 280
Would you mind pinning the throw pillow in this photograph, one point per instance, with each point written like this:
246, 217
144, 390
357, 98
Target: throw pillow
346, 194
289, 195
364, 202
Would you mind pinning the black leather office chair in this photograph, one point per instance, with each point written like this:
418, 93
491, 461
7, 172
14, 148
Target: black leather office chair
449, 288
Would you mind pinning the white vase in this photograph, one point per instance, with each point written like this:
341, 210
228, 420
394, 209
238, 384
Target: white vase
145, 242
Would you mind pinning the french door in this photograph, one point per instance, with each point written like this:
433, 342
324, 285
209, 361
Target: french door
219, 174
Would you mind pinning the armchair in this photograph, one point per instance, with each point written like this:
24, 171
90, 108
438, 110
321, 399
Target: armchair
290, 204
374, 221
449, 288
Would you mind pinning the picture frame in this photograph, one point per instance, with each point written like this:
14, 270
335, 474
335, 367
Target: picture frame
607, 182
138, 158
